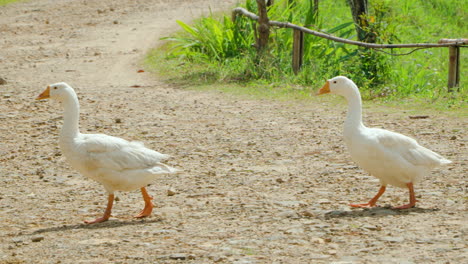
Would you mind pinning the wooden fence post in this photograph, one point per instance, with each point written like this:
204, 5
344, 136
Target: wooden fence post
454, 62
298, 50
263, 26
454, 68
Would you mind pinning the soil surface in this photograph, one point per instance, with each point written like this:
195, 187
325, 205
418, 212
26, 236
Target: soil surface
262, 182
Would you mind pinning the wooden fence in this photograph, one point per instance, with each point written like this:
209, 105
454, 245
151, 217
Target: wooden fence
298, 44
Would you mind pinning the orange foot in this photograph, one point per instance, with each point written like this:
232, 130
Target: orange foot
412, 199
148, 204
146, 211
364, 205
97, 220
373, 201
107, 213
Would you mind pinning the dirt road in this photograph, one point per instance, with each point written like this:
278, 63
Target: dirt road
262, 181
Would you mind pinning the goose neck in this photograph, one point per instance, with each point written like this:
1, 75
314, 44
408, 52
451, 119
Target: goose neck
71, 116
354, 115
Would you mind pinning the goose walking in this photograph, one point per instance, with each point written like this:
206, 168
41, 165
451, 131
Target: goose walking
118, 164
391, 157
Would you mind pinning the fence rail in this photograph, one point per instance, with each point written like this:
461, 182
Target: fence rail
453, 44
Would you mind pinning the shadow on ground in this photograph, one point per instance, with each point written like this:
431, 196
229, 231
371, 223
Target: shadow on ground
104, 225
377, 212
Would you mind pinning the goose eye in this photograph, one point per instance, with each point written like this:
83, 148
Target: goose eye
55, 88
334, 81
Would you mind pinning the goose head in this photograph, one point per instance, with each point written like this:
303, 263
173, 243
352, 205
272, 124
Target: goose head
339, 85
56, 91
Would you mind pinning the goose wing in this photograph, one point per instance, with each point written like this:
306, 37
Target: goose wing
114, 153
407, 148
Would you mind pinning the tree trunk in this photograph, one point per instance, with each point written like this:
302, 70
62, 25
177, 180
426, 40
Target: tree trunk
263, 27
359, 10
371, 63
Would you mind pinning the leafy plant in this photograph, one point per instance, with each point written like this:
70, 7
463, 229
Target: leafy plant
210, 39
226, 50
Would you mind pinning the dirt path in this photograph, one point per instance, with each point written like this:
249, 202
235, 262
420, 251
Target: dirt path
263, 182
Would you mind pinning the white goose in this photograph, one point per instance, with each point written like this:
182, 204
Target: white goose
116, 163
393, 158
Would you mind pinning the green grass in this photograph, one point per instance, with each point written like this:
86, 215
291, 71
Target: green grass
4, 2
199, 76
207, 58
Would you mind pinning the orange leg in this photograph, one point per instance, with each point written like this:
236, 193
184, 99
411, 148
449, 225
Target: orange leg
107, 213
373, 201
148, 204
412, 198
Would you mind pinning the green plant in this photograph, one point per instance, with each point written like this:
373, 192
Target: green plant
212, 39
224, 49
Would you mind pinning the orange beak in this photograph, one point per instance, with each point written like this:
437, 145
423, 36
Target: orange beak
45, 94
325, 89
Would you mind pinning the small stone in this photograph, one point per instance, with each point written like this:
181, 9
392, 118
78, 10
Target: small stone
453, 137
370, 227
279, 180
317, 240
17, 240
179, 256
171, 192
2, 81
307, 213
118, 120
116, 22
37, 238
